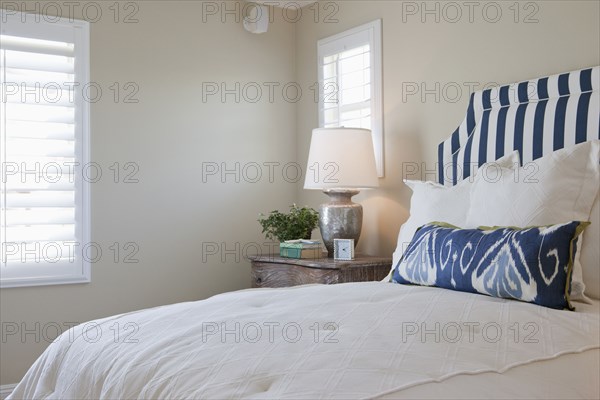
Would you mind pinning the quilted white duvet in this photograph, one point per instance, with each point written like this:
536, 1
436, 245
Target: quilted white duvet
359, 340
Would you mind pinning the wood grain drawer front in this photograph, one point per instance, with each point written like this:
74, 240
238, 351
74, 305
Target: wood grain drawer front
366, 273
283, 275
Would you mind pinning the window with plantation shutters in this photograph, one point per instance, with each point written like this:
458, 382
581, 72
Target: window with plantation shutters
44, 148
350, 83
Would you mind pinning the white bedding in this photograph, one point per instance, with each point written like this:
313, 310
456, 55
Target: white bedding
371, 353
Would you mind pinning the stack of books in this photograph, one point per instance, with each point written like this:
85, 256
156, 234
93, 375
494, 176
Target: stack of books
300, 249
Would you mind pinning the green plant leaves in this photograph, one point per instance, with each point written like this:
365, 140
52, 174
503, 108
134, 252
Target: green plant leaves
297, 224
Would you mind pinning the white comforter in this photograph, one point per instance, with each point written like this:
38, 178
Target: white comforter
340, 341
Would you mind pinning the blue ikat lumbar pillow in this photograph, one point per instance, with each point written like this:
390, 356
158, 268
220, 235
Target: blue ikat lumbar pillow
531, 264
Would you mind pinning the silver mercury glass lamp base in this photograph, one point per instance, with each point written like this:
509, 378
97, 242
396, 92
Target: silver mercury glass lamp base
340, 218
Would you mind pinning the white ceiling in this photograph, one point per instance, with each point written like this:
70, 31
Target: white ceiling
283, 3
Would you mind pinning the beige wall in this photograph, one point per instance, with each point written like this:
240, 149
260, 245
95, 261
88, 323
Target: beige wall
170, 132
461, 53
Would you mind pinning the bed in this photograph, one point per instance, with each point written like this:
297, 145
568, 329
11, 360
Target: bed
368, 339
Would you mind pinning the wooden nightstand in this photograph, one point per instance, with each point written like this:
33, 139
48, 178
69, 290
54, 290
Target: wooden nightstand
275, 271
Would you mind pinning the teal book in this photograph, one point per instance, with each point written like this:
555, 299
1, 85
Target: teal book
297, 249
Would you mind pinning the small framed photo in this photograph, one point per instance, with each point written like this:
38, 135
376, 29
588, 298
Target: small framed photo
343, 249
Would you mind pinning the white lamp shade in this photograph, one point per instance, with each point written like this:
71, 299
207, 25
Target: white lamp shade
341, 158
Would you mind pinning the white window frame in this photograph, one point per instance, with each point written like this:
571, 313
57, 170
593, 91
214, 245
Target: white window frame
370, 34
30, 25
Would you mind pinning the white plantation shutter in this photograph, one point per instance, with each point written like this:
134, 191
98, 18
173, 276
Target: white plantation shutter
44, 139
350, 83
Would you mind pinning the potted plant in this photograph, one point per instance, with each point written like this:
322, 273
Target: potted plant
297, 224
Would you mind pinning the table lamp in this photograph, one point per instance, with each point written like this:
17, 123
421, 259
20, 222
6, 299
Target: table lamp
341, 162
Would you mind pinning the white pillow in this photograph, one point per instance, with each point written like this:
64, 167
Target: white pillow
556, 188
434, 202
590, 253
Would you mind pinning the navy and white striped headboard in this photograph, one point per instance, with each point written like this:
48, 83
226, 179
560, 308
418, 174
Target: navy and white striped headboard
535, 117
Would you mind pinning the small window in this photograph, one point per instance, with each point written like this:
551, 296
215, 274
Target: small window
350, 82
44, 142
